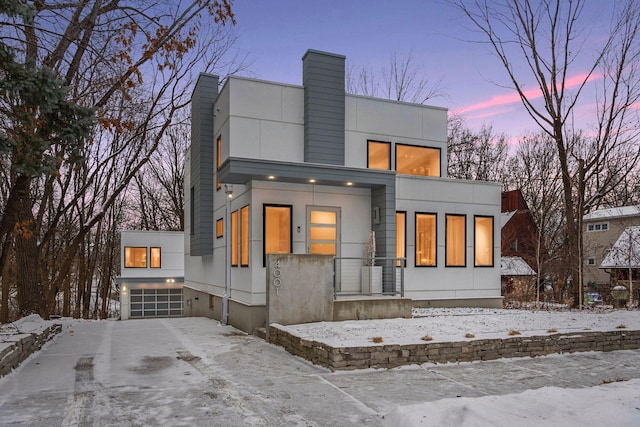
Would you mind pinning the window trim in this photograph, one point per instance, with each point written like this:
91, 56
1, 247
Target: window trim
151, 256
192, 213
388, 144
264, 228
219, 228
446, 241
136, 247
435, 240
475, 246
244, 236
234, 238
404, 215
398, 144
218, 160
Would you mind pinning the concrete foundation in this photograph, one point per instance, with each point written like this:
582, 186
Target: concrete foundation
489, 302
371, 308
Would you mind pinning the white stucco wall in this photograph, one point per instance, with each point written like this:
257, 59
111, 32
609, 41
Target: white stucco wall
172, 253
447, 196
267, 117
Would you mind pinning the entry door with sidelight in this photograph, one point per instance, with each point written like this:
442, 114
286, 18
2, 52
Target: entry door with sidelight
323, 230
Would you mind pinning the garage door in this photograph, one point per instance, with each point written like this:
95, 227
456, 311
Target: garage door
156, 303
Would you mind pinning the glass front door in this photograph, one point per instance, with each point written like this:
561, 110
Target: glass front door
323, 230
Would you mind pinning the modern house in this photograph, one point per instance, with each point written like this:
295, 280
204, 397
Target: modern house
601, 230
280, 168
151, 274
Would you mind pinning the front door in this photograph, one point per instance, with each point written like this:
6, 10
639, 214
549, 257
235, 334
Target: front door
323, 230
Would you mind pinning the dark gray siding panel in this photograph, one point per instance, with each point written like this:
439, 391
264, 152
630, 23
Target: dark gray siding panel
202, 163
323, 80
384, 198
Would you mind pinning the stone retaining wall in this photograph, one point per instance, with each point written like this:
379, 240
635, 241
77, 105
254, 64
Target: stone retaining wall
15, 348
389, 356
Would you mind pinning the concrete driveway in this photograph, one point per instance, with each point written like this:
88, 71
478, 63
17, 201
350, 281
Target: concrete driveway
195, 372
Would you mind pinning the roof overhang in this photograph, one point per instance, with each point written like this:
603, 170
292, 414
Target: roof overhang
243, 170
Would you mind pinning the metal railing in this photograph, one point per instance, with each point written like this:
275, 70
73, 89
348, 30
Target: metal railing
352, 277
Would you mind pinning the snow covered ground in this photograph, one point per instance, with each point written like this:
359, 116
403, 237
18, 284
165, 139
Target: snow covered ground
453, 324
193, 371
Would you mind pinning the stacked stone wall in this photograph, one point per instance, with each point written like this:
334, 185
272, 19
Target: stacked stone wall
389, 356
15, 348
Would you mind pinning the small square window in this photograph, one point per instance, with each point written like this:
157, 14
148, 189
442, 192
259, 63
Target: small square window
591, 261
219, 228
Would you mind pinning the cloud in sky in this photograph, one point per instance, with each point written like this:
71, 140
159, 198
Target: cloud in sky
514, 97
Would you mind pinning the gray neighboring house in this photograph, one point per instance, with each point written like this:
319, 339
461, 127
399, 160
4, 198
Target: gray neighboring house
623, 260
280, 168
601, 229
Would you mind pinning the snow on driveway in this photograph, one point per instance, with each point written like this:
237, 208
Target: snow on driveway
193, 371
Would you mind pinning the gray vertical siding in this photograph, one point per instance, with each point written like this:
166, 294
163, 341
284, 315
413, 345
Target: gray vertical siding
384, 198
324, 107
202, 163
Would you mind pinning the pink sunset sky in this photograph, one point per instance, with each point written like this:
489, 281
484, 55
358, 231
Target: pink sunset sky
276, 33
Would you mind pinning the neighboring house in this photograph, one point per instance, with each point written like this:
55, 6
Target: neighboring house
279, 168
151, 274
601, 229
519, 233
516, 275
623, 260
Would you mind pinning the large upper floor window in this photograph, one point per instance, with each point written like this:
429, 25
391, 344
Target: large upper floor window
425, 239
378, 155
135, 257
415, 160
456, 230
483, 230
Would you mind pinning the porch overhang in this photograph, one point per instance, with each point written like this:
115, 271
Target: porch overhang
243, 170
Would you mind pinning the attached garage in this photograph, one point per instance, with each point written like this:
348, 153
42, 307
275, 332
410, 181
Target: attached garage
156, 303
152, 274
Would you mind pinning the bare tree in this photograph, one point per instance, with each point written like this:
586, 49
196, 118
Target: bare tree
541, 41
130, 62
478, 155
534, 170
401, 79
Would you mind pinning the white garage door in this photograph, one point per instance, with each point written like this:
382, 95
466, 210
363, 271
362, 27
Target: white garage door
156, 303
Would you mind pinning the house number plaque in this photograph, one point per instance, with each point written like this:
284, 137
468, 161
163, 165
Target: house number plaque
276, 276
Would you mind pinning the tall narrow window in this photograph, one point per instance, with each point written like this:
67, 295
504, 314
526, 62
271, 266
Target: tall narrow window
379, 155
244, 236
456, 237
192, 211
483, 231
219, 228
414, 160
277, 230
218, 159
425, 239
135, 257
156, 260
401, 236
234, 238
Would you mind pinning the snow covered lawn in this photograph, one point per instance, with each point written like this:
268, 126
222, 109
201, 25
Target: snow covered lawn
459, 324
